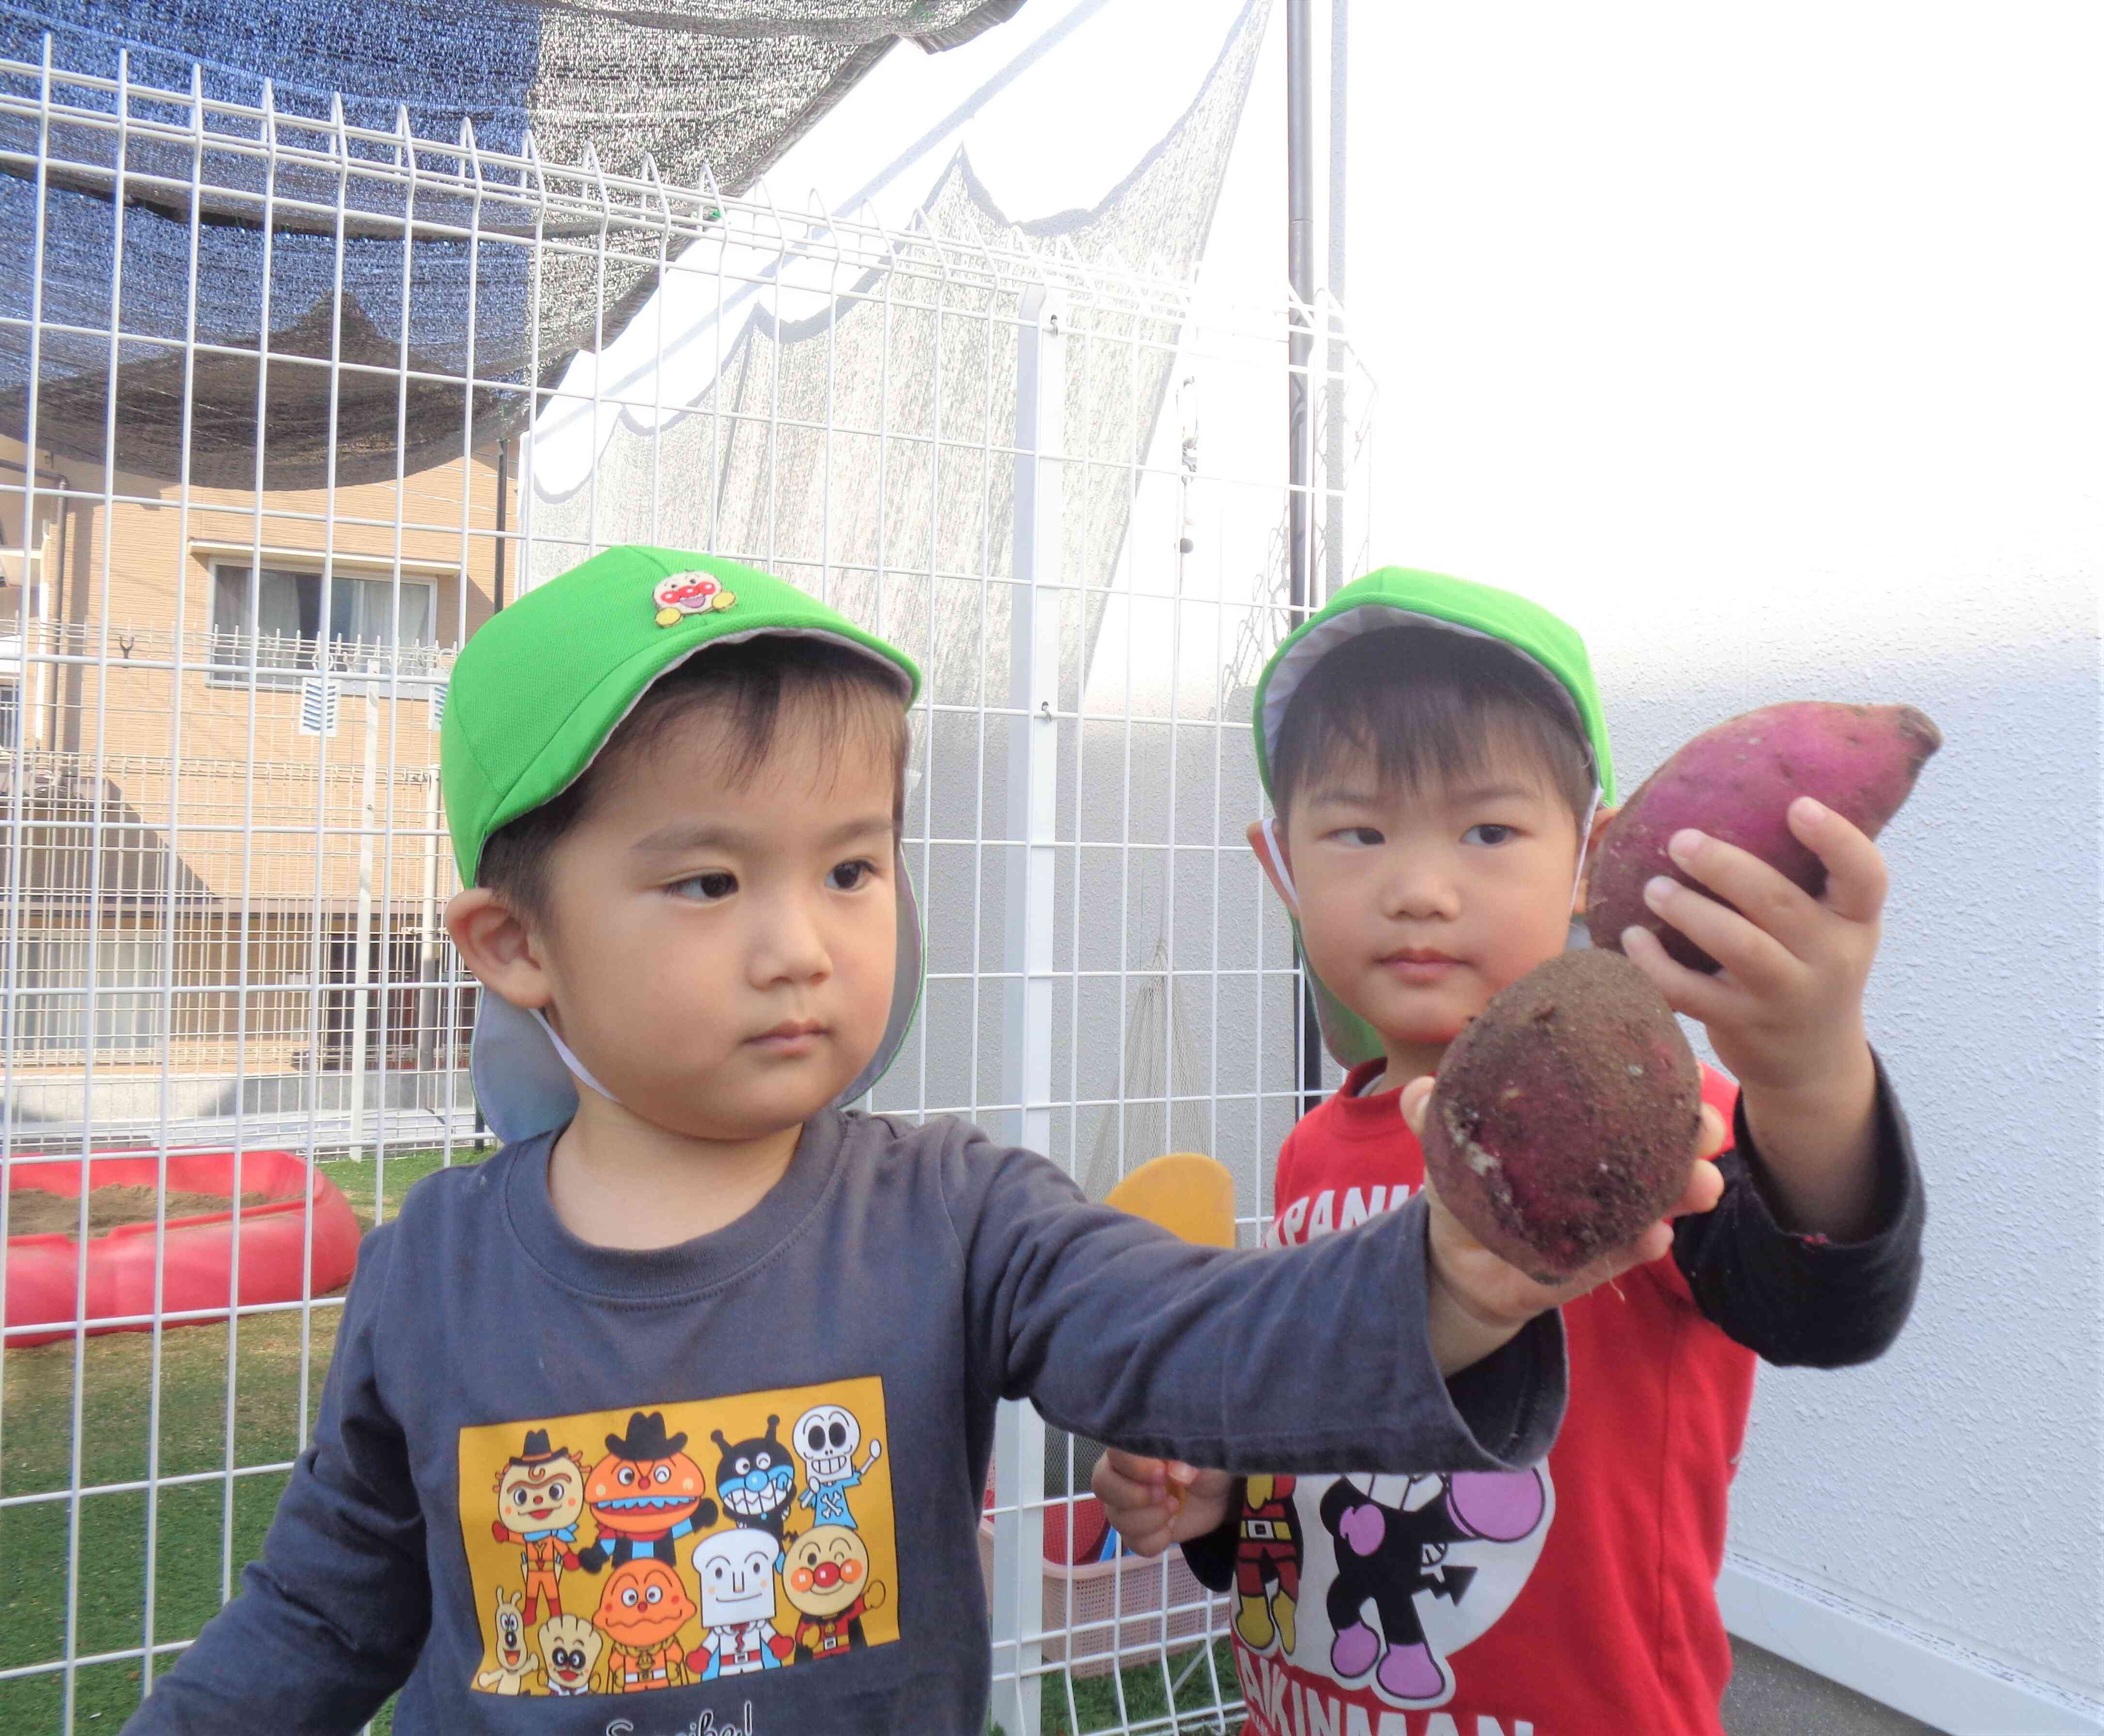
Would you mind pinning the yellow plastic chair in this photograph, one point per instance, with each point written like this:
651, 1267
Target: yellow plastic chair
1186, 1193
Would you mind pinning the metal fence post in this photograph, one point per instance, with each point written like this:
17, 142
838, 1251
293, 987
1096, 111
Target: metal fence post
1027, 960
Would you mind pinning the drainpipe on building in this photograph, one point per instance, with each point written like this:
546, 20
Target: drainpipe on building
503, 488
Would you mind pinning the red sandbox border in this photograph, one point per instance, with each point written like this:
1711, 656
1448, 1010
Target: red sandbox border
43, 1272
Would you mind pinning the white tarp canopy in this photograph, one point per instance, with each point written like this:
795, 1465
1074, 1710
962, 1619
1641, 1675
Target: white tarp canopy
1119, 133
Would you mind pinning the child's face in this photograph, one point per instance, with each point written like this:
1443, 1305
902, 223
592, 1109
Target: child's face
720, 955
1417, 905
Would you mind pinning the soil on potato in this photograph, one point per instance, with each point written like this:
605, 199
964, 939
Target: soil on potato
32, 1211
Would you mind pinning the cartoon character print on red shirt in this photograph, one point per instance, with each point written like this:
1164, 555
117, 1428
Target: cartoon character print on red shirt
1393, 1538
1267, 1564
1375, 1581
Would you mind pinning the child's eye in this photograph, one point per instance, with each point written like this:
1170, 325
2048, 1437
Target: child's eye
847, 877
1361, 837
705, 889
1490, 833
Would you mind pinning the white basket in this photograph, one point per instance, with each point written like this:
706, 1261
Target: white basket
1129, 1591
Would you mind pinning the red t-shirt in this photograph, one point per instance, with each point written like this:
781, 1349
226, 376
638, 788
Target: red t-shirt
1575, 1599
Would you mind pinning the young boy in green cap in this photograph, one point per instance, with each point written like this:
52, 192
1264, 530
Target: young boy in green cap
687, 1393
1437, 761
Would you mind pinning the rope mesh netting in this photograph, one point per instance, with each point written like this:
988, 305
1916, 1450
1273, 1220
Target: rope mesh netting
306, 276
907, 350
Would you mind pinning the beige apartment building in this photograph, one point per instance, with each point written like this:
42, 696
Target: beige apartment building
219, 803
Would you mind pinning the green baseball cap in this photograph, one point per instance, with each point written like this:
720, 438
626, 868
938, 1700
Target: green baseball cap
534, 695
1405, 597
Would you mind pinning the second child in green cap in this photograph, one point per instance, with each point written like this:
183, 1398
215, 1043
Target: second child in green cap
687, 1395
1437, 763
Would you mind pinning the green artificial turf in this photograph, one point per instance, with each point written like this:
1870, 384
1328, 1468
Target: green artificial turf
1137, 1698
203, 1531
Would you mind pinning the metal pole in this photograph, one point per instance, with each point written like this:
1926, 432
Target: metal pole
1301, 276
1333, 384
1026, 951
503, 456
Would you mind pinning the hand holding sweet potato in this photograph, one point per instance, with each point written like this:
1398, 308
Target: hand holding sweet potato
1479, 1299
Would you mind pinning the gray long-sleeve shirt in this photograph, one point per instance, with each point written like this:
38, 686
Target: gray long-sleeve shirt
745, 1471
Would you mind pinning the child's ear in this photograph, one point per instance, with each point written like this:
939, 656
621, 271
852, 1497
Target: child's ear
495, 943
1582, 894
1277, 869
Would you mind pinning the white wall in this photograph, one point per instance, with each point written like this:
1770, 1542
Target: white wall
1762, 342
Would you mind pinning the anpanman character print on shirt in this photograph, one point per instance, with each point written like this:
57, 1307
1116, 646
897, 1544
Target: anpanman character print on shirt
606, 1559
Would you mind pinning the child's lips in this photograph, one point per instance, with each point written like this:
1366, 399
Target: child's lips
1420, 966
791, 1037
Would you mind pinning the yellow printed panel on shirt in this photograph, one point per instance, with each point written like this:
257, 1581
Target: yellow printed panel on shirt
617, 1552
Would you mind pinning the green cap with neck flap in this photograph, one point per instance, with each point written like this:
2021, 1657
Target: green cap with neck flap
535, 695
1405, 597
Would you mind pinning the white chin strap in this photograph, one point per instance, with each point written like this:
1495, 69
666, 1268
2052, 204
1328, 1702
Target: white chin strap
1285, 878
1278, 866
1585, 843
569, 1060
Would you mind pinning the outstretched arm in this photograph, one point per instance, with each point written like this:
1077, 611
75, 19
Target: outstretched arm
1303, 1358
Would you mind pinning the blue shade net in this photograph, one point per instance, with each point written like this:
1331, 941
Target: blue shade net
327, 328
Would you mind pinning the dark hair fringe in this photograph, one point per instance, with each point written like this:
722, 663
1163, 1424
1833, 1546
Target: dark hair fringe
1428, 707
753, 687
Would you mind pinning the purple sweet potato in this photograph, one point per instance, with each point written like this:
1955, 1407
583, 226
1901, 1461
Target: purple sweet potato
1565, 1114
1737, 782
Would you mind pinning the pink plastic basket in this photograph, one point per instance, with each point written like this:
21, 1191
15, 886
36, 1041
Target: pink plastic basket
1081, 1603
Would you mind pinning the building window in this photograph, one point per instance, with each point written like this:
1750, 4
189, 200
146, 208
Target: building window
57, 1003
272, 623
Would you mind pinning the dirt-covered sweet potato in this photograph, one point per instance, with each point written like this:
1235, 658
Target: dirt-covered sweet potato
1735, 782
1564, 1117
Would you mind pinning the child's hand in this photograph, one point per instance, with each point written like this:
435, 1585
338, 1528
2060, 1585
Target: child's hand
1154, 1502
1478, 1301
1786, 1013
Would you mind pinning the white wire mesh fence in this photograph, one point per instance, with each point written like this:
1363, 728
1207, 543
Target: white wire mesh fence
1059, 482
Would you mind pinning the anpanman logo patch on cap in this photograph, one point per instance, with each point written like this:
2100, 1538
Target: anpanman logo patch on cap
695, 593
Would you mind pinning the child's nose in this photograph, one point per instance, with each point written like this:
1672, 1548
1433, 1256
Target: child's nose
1422, 888
792, 947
